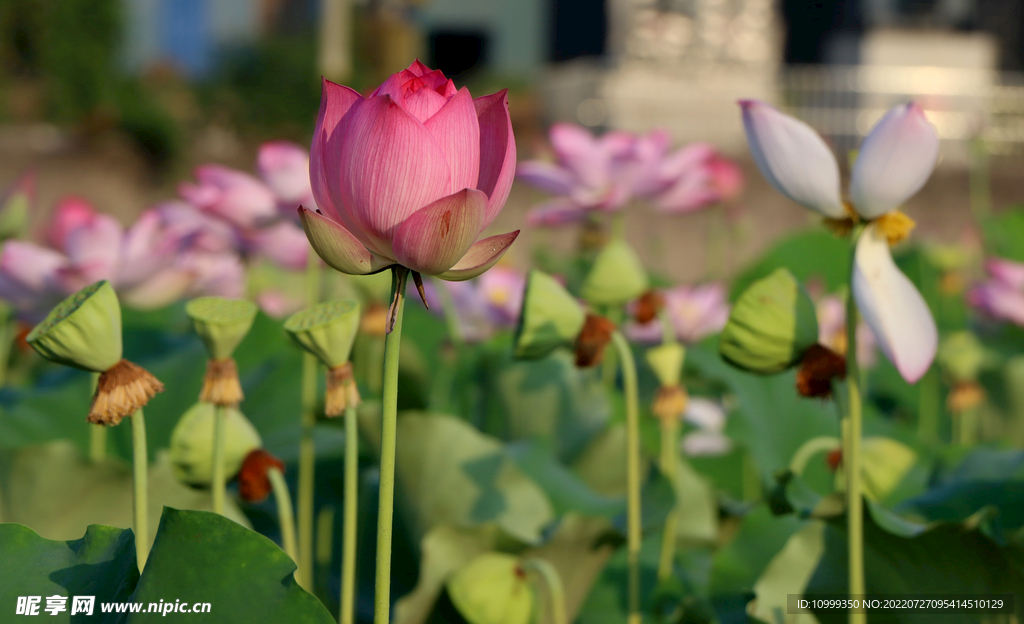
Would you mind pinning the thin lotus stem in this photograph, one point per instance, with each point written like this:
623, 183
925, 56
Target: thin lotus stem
219, 478
810, 448
97, 433
669, 467
8, 332
968, 426
140, 513
556, 591
852, 459
348, 546
633, 527
284, 511
608, 364
307, 449
324, 536
928, 390
752, 486
388, 442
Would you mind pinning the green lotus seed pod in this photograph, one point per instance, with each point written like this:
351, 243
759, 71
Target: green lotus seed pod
192, 443
550, 318
221, 323
327, 330
492, 589
961, 356
616, 277
770, 326
666, 361
83, 331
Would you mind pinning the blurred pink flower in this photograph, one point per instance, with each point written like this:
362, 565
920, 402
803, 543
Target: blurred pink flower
695, 311
832, 330
284, 167
232, 195
483, 305
1001, 296
28, 279
410, 176
605, 173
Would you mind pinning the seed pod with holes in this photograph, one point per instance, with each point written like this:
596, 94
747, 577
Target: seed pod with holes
84, 331
328, 330
221, 325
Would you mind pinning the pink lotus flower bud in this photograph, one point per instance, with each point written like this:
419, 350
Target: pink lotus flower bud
411, 176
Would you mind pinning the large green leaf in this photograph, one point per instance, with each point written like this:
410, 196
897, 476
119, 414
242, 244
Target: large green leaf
203, 557
1004, 234
450, 473
100, 564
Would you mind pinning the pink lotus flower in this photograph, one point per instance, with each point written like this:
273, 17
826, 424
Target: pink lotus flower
150, 264
604, 174
695, 311
1002, 295
894, 162
410, 176
484, 305
284, 167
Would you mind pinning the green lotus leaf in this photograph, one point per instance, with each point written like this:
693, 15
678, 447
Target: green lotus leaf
83, 331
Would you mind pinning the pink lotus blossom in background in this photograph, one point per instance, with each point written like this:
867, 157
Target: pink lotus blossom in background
410, 176
895, 160
483, 305
603, 174
1001, 296
832, 330
150, 264
695, 311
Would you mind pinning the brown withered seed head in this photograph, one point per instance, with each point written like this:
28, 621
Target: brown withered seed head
253, 482
834, 459
670, 402
122, 389
342, 391
375, 320
820, 365
965, 396
220, 384
590, 344
648, 306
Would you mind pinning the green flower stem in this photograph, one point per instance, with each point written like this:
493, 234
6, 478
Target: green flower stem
633, 527
928, 389
388, 442
140, 513
97, 433
556, 591
307, 449
669, 467
219, 478
324, 537
284, 511
810, 448
348, 546
852, 458
609, 362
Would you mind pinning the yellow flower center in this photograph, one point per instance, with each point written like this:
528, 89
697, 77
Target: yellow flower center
844, 225
498, 296
895, 226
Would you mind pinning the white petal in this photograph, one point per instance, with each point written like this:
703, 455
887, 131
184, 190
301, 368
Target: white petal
894, 162
793, 158
891, 306
705, 413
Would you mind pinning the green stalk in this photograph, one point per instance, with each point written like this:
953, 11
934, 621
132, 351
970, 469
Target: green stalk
348, 546
97, 433
388, 443
669, 467
284, 511
633, 527
810, 448
928, 389
140, 513
852, 457
609, 362
307, 449
556, 591
219, 478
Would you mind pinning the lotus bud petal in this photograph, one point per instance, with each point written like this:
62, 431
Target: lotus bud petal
770, 326
192, 443
550, 318
327, 330
616, 277
492, 589
666, 361
961, 356
221, 323
83, 331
